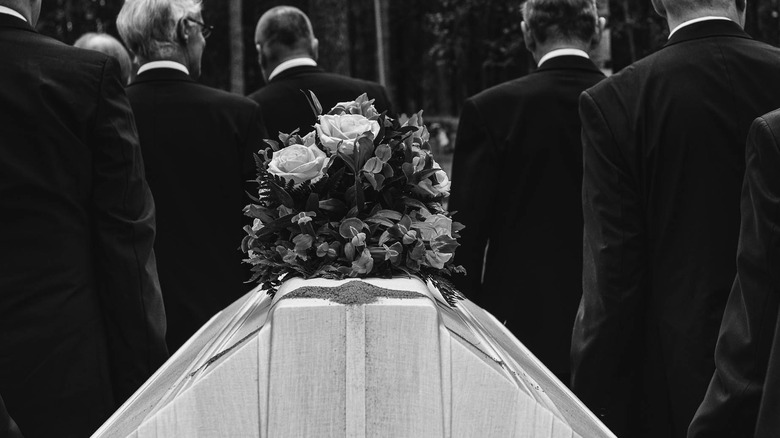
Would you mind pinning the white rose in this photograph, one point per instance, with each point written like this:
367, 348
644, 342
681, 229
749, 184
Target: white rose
344, 129
299, 163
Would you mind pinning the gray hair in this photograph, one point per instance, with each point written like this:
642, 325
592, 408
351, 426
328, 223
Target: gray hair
105, 43
569, 20
148, 27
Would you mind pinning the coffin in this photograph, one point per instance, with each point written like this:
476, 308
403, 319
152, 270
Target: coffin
359, 358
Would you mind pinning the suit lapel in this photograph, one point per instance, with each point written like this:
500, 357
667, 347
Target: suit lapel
706, 29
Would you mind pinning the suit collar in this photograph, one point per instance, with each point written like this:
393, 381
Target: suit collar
706, 29
294, 71
162, 74
14, 22
568, 62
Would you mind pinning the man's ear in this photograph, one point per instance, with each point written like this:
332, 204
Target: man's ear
315, 48
528, 37
181, 32
601, 23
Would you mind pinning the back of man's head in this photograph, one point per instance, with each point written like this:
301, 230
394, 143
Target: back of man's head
678, 10
282, 32
561, 20
150, 28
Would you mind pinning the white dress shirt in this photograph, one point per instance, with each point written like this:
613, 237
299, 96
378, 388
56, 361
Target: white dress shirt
290, 63
9, 11
562, 52
696, 20
163, 64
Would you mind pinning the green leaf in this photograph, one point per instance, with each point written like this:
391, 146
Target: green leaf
411, 202
333, 205
281, 194
370, 177
389, 214
314, 103
313, 202
380, 220
365, 150
373, 165
347, 160
383, 153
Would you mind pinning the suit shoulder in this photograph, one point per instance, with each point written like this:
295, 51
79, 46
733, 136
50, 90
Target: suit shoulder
224, 98
48, 48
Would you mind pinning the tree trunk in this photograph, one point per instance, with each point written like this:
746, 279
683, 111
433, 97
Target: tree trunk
236, 47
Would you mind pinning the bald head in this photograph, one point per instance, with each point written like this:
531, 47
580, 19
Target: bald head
30, 9
109, 45
283, 33
678, 11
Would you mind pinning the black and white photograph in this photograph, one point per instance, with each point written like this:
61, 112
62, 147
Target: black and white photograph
390, 218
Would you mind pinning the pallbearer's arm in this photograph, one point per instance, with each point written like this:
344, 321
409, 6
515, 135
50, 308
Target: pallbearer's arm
747, 331
124, 230
253, 142
474, 175
607, 328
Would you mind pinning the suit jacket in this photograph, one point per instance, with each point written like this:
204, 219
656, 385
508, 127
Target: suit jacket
198, 146
82, 323
284, 104
663, 166
8, 428
744, 395
516, 184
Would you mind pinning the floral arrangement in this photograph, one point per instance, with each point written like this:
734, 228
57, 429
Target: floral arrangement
359, 196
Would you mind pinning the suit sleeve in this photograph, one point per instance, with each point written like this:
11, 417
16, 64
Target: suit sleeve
731, 405
252, 144
124, 230
473, 183
8, 428
607, 325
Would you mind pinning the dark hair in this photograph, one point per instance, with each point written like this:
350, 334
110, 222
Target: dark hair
285, 27
561, 19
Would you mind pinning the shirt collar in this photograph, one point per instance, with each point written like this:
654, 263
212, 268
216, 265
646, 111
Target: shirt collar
290, 63
9, 11
562, 52
163, 64
696, 20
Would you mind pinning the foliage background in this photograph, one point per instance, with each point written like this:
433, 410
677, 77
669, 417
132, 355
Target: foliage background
436, 52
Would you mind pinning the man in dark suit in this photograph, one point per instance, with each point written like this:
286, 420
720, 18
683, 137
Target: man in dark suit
197, 144
516, 184
663, 165
743, 399
287, 52
82, 323
8, 427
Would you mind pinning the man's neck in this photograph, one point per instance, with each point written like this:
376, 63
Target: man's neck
730, 13
287, 63
542, 50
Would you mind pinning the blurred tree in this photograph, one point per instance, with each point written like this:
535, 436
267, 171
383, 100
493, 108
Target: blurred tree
637, 30
477, 43
236, 26
67, 20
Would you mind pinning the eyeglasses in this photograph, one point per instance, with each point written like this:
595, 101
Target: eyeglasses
204, 30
